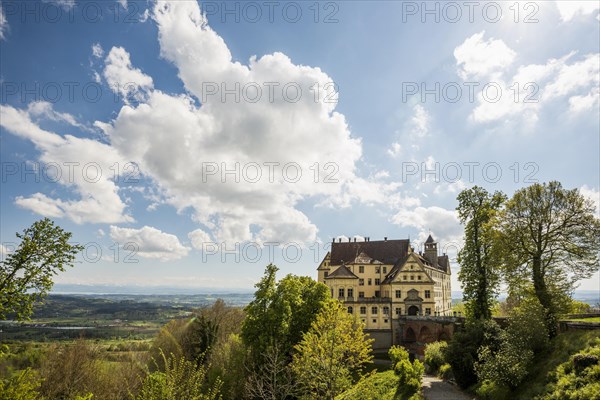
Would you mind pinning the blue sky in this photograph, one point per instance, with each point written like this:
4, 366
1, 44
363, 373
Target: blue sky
189, 144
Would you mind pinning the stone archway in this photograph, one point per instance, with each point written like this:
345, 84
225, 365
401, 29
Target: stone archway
425, 335
413, 310
410, 335
444, 337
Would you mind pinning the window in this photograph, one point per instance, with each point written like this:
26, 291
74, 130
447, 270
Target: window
398, 311
405, 277
398, 294
428, 294
363, 310
428, 311
326, 274
369, 282
361, 282
350, 310
374, 321
361, 269
374, 310
419, 277
361, 295
385, 321
377, 281
341, 292
385, 270
350, 292
377, 270
412, 277
331, 292
386, 310
377, 294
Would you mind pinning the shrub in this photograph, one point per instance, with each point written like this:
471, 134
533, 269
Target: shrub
445, 372
489, 390
434, 356
181, 379
462, 350
409, 375
21, 386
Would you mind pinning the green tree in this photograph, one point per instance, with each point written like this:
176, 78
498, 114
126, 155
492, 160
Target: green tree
332, 354
479, 266
409, 374
549, 237
281, 312
26, 274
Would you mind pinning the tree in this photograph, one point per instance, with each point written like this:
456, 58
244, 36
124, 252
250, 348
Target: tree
281, 312
549, 237
26, 274
332, 354
479, 267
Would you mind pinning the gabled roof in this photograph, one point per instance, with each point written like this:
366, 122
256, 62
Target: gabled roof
430, 240
342, 272
384, 251
444, 263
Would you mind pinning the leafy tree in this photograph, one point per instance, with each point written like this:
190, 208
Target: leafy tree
549, 237
479, 265
273, 379
462, 350
281, 312
409, 375
22, 386
332, 354
26, 274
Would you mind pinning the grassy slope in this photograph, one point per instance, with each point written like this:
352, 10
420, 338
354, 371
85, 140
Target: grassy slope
561, 348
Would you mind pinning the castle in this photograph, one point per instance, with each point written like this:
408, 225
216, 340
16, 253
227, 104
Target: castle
382, 281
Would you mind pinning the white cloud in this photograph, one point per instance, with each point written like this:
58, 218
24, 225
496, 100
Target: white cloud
396, 150
591, 194
443, 225
65, 4
477, 58
420, 121
150, 243
123, 78
97, 50
571, 8
84, 165
3, 22
524, 93
44, 109
199, 238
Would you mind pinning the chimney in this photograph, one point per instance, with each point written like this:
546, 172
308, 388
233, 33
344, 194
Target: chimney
354, 240
349, 240
333, 240
385, 238
340, 240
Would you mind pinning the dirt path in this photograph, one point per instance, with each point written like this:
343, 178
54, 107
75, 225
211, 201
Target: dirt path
436, 389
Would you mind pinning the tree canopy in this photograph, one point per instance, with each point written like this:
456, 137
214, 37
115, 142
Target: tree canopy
479, 265
26, 274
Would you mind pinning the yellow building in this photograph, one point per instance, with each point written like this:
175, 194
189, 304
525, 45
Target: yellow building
380, 281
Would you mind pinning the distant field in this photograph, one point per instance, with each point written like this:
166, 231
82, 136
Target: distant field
592, 319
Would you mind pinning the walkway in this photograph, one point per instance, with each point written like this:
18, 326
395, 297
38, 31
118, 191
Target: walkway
436, 389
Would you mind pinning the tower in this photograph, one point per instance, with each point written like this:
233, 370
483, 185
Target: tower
431, 253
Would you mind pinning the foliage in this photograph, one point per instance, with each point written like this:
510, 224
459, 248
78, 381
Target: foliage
434, 356
549, 237
462, 350
579, 307
272, 378
409, 375
22, 386
479, 265
380, 386
182, 379
489, 390
227, 364
578, 378
26, 274
507, 365
332, 353
281, 312
445, 372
